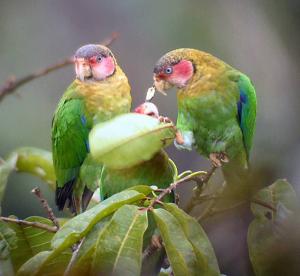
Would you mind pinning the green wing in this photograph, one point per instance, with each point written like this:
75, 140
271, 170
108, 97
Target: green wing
247, 111
70, 131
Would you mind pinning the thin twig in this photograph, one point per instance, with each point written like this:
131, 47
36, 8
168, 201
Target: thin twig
213, 212
172, 186
36, 191
12, 83
31, 223
73, 259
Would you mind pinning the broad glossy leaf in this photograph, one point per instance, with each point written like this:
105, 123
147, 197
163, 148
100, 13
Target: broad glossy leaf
30, 241
6, 167
8, 240
76, 228
279, 191
143, 189
268, 232
129, 139
46, 263
180, 251
206, 259
83, 262
37, 162
119, 246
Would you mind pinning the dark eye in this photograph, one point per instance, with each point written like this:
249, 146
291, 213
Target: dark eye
99, 58
169, 70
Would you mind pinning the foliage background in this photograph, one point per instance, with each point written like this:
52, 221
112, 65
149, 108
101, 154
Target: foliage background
261, 38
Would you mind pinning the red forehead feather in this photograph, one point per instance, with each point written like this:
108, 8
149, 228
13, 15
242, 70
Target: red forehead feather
93, 60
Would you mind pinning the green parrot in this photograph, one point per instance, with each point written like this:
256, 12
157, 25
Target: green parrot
99, 92
216, 108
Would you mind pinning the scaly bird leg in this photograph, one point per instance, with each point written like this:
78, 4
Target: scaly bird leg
218, 158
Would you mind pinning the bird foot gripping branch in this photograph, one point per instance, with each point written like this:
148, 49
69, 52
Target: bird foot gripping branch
218, 159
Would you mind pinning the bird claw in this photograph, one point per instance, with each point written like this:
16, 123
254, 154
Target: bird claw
165, 120
218, 158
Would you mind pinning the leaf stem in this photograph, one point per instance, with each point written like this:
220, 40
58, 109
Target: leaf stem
264, 204
190, 177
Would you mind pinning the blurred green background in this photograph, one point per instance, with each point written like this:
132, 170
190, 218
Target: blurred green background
259, 37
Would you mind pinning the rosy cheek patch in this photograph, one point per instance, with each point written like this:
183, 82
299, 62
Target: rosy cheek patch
108, 65
182, 72
104, 69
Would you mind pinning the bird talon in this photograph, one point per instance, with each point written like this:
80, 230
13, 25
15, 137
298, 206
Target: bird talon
218, 159
165, 120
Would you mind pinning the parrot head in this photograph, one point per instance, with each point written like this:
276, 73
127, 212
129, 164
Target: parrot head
94, 63
174, 69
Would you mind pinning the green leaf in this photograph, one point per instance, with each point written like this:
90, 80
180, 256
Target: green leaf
129, 139
8, 240
143, 189
6, 167
76, 228
30, 240
206, 258
269, 229
46, 263
37, 162
83, 262
179, 249
119, 247
280, 191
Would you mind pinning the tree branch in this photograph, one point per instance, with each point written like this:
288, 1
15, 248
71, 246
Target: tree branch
190, 177
13, 83
36, 224
36, 191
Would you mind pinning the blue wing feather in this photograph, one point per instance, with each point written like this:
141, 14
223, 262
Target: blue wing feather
246, 108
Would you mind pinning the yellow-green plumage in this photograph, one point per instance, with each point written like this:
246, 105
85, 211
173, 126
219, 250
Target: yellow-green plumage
83, 104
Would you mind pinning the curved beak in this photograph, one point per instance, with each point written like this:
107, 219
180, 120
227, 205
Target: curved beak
160, 84
83, 69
